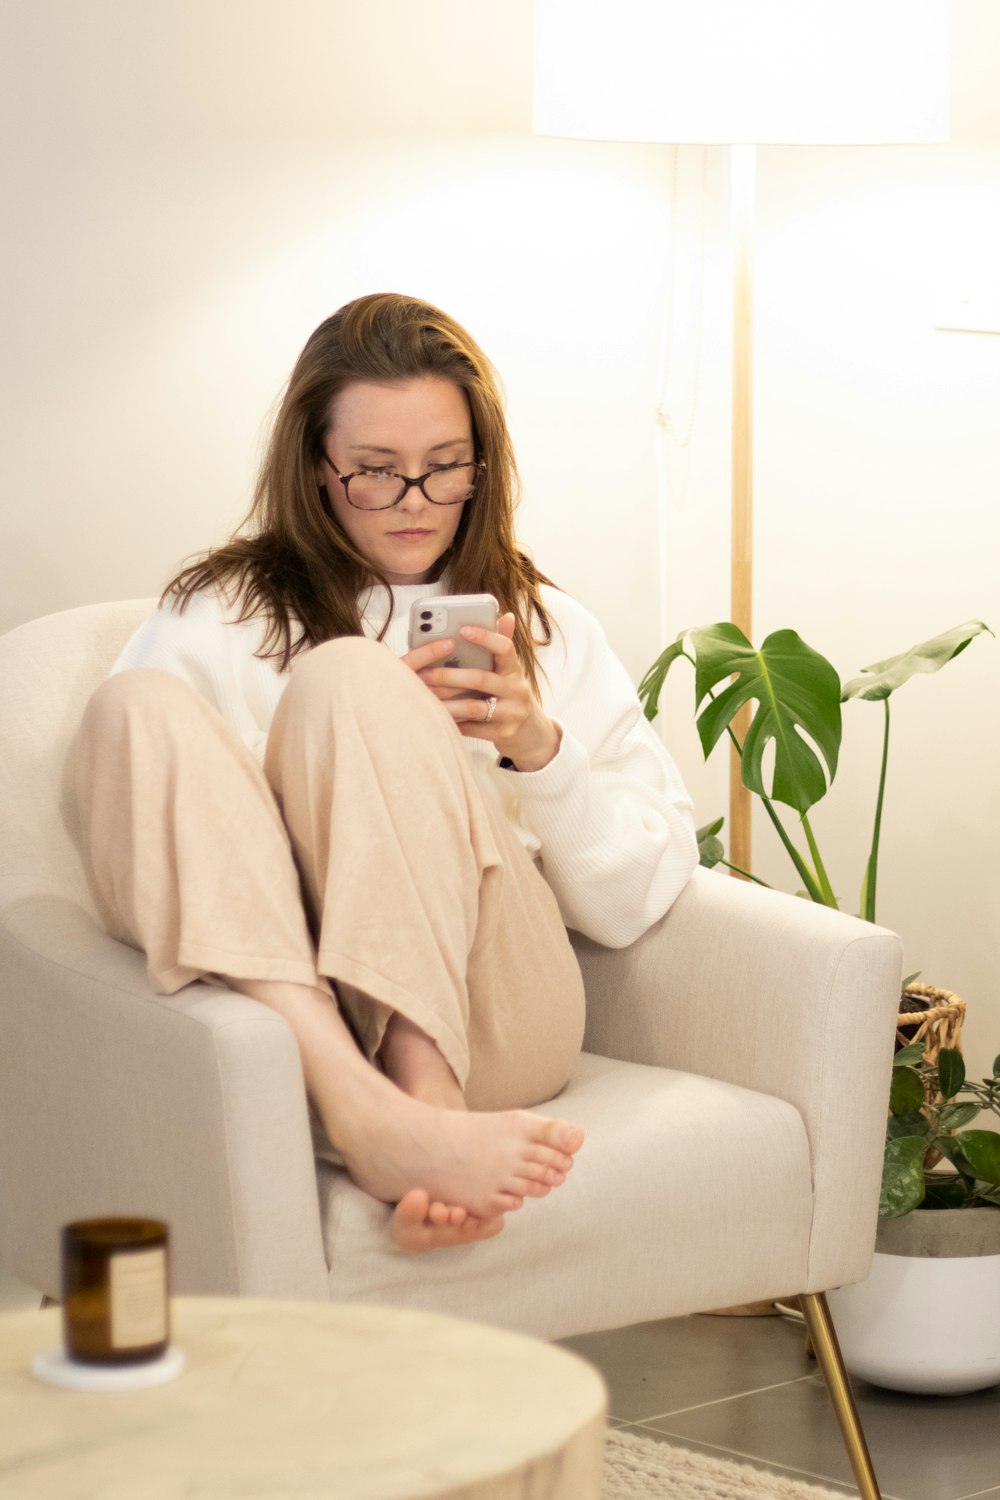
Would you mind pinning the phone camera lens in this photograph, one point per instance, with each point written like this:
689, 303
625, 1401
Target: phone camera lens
425, 627
425, 614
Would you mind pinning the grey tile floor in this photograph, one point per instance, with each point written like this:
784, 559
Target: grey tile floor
745, 1388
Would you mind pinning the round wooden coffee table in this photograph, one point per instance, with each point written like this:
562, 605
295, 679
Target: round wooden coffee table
308, 1401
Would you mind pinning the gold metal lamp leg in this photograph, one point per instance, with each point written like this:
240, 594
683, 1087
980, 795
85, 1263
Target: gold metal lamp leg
831, 1362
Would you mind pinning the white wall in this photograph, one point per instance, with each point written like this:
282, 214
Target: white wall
193, 186
197, 185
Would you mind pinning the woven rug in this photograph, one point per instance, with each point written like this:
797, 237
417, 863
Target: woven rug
641, 1468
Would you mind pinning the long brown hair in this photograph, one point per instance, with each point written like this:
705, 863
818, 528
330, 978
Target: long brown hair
292, 562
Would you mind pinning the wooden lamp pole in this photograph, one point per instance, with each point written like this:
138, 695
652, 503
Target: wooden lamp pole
742, 194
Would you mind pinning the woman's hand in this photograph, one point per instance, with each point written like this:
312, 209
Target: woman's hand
517, 726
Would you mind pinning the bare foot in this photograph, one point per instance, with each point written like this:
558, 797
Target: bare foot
418, 1224
485, 1163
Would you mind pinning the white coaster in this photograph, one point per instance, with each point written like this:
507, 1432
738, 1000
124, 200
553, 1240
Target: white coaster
57, 1369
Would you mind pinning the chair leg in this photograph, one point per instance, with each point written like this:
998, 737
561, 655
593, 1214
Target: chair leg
831, 1362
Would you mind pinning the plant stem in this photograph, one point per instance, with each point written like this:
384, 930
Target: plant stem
745, 873
829, 899
869, 911
805, 874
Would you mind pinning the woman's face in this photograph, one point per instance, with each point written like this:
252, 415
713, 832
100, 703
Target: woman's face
408, 427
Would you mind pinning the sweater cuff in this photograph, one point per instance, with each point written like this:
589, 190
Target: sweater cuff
551, 782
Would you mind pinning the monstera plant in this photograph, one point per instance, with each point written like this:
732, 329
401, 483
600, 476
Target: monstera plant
798, 697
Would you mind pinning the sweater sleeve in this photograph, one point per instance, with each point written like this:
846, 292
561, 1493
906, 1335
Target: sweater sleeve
610, 810
203, 646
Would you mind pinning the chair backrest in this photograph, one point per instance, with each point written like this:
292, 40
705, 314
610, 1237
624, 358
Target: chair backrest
48, 670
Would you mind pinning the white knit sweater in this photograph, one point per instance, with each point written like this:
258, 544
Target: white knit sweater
608, 818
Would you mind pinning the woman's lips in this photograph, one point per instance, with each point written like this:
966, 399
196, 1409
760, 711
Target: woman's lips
414, 535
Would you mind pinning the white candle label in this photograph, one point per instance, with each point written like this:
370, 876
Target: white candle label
138, 1287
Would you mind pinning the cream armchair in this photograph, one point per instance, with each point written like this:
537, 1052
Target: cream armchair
732, 1092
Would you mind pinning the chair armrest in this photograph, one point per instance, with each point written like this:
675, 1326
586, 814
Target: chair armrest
775, 994
115, 1100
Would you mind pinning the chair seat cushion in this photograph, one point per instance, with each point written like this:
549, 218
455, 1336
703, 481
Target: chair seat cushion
687, 1194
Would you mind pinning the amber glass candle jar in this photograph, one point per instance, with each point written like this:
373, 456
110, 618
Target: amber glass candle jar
115, 1294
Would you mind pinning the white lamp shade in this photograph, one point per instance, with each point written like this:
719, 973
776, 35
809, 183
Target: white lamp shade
819, 72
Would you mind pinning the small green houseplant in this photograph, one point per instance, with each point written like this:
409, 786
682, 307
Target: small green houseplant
798, 696
930, 1104
925, 1318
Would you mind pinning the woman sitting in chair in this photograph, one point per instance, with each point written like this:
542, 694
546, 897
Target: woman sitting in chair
281, 792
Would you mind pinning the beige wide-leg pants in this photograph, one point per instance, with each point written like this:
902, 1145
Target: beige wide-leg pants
363, 853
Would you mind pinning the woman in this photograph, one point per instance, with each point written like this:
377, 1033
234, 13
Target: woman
279, 793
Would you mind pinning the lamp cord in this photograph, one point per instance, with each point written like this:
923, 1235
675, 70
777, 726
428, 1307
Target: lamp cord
676, 436
672, 438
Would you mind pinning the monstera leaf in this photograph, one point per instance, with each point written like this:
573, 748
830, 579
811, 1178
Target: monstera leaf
797, 693
798, 696
652, 684
883, 677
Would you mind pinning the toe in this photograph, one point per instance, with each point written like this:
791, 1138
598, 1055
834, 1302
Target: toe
441, 1214
563, 1136
529, 1189
508, 1203
552, 1177
412, 1209
535, 1172
544, 1156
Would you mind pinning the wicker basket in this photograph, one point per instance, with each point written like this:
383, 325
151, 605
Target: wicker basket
937, 1027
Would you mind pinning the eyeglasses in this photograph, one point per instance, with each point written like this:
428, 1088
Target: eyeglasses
380, 489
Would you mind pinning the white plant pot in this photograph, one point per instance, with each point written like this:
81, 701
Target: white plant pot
928, 1317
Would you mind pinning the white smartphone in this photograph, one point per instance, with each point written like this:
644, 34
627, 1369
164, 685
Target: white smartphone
437, 618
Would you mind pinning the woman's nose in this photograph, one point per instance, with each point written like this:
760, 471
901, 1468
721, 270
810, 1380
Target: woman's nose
414, 500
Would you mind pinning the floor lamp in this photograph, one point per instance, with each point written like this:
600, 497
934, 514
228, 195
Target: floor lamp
742, 73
